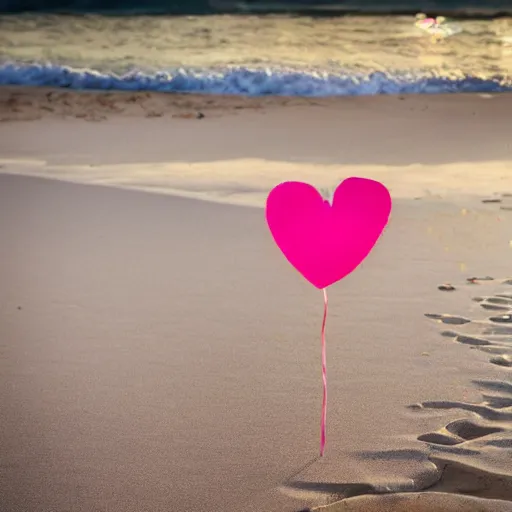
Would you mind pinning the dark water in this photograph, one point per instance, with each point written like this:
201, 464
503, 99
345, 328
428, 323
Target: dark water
460, 7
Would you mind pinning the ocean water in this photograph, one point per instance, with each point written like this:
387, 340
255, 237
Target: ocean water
486, 7
255, 55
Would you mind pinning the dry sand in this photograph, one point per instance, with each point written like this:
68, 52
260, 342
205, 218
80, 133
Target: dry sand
157, 352
417, 145
418, 502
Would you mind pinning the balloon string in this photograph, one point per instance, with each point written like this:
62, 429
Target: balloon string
323, 421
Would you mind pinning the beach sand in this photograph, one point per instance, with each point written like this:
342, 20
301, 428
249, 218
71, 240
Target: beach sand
158, 353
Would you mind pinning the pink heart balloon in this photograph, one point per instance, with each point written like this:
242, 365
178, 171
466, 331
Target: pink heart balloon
326, 242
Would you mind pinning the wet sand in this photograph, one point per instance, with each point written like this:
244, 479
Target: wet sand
158, 353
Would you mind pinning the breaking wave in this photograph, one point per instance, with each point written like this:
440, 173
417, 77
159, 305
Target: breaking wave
252, 82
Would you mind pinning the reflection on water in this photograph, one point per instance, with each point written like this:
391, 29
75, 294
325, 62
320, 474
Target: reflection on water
480, 48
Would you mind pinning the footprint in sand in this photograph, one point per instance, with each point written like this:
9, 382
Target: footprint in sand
496, 303
493, 335
459, 431
502, 319
487, 280
502, 361
486, 436
448, 319
503, 200
482, 441
471, 340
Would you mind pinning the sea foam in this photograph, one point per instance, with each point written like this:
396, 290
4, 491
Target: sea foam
252, 82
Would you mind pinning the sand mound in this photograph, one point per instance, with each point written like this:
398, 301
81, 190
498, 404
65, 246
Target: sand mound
418, 502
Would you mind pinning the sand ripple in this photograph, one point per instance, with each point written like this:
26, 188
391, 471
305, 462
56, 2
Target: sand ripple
473, 452
418, 502
480, 446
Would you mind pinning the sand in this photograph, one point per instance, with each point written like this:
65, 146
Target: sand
158, 353
418, 502
418, 145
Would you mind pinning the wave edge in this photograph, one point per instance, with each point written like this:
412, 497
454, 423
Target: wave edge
251, 82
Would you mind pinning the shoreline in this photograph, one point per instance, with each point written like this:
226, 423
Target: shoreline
234, 149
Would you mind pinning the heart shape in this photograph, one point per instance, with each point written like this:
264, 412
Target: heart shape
327, 242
